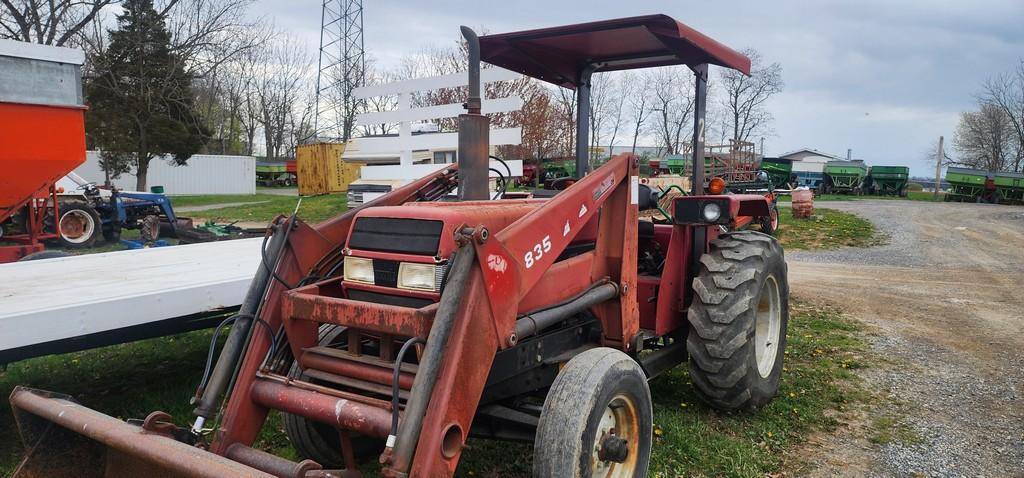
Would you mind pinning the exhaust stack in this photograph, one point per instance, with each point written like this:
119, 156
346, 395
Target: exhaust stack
474, 132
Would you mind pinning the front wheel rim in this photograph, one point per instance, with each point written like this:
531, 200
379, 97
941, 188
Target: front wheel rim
77, 226
767, 327
620, 420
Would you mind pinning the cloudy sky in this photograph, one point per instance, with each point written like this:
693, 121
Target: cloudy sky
883, 77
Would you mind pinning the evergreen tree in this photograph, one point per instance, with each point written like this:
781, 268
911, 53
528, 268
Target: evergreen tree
141, 103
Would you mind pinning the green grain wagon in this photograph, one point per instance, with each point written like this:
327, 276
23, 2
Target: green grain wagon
779, 170
967, 184
559, 169
676, 164
845, 177
887, 180
1009, 187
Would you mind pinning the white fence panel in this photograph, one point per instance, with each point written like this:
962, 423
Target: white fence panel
451, 110
487, 75
405, 143
204, 174
498, 137
416, 171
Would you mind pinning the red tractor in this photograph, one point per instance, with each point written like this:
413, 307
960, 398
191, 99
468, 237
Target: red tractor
397, 330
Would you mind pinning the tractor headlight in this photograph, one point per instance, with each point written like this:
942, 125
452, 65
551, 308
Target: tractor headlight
420, 276
711, 212
358, 269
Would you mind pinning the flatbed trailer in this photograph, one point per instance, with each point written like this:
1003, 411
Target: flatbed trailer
80, 302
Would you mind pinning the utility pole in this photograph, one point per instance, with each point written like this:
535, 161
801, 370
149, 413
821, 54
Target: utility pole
938, 170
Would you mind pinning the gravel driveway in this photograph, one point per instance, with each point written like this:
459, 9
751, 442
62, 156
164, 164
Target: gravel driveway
946, 297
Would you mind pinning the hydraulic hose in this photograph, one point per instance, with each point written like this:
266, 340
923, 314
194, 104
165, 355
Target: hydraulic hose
235, 343
397, 373
433, 356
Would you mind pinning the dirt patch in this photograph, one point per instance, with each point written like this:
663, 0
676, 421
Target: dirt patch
945, 297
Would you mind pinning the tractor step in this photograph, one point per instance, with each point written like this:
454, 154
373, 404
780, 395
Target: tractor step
351, 366
361, 358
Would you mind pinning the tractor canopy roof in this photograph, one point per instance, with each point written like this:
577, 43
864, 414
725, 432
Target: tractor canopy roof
558, 54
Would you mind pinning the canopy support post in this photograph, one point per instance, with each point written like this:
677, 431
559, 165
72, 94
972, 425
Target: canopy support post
583, 121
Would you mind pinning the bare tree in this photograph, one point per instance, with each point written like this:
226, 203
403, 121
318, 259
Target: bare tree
744, 97
284, 73
1006, 92
207, 33
565, 101
602, 91
639, 103
985, 138
50, 22
672, 100
616, 107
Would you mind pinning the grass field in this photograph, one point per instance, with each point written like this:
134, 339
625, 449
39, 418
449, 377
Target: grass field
130, 380
313, 210
828, 229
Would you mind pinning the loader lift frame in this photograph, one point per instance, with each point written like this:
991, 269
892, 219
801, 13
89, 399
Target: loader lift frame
523, 287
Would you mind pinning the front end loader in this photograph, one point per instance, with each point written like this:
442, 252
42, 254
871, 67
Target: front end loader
395, 331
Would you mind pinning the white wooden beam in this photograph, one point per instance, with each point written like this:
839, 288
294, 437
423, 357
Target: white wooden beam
431, 141
498, 105
454, 80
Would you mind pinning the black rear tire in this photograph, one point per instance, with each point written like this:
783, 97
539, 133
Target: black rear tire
320, 442
735, 351
596, 388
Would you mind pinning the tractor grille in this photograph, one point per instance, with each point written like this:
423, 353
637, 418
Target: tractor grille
404, 236
385, 273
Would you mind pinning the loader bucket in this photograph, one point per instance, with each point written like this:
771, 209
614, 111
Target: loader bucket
63, 438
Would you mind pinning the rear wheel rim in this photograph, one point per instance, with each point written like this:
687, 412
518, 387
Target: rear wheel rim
767, 326
77, 226
619, 419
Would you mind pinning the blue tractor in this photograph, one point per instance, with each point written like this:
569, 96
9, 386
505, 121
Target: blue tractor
86, 212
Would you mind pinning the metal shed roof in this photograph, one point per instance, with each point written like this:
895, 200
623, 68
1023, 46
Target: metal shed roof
557, 54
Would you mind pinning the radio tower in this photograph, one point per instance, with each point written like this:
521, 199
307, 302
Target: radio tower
342, 68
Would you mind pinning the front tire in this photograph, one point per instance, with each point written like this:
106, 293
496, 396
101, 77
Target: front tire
738, 321
597, 419
770, 223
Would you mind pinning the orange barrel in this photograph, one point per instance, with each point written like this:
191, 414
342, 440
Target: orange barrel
803, 203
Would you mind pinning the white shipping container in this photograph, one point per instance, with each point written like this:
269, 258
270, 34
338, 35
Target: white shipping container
204, 174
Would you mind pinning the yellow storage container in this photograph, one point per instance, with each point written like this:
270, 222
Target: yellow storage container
322, 171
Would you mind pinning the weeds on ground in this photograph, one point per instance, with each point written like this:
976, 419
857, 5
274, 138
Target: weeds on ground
828, 229
818, 387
